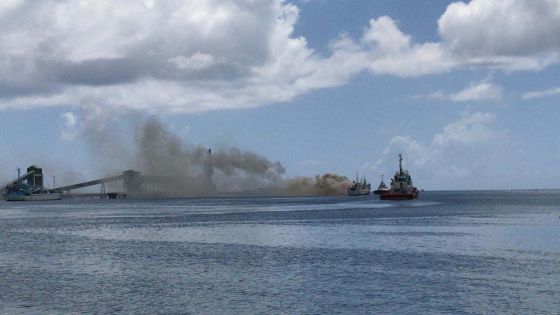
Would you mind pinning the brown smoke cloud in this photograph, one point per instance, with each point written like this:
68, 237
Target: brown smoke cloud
323, 185
179, 168
162, 153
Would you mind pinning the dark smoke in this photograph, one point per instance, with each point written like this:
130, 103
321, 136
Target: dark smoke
162, 153
157, 152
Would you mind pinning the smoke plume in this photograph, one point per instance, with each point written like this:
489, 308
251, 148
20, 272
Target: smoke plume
179, 168
160, 152
325, 185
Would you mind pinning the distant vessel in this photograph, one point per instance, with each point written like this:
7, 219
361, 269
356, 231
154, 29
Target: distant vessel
401, 186
19, 195
359, 188
382, 189
29, 187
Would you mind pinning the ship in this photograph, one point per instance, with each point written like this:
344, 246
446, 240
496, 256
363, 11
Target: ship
401, 186
382, 188
359, 188
29, 187
23, 193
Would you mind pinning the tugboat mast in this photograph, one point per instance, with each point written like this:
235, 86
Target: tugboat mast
400, 163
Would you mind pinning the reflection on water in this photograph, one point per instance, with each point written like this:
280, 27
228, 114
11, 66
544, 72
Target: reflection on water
445, 253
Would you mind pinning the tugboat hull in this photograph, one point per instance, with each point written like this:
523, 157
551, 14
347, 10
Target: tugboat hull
398, 196
401, 186
380, 192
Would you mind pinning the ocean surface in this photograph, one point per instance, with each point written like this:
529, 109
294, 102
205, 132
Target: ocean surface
445, 253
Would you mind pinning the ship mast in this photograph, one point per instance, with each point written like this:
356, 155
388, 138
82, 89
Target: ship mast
400, 163
208, 167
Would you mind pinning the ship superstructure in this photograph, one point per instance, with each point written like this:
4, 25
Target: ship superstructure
359, 187
401, 185
382, 188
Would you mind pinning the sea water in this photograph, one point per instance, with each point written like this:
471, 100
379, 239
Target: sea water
447, 252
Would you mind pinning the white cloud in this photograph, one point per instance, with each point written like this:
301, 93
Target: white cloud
484, 91
70, 120
436, 96
176, 55
480, 92
203, 55
392, 52
384, 34
195, 62
511, 34
468, 153
213, 55
70, 127
541, 93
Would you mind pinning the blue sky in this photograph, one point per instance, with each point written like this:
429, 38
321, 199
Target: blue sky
319, 85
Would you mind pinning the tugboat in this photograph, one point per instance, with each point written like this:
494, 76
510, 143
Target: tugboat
401, 186
382, 189
359, 188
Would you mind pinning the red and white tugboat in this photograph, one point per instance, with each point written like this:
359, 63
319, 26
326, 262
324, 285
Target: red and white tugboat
401, 186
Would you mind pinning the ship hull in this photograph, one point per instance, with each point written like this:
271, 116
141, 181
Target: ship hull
358, 193
398, 196
381, 192
15, 197
34, 197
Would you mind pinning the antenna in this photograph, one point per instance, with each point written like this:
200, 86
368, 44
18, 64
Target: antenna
407, 166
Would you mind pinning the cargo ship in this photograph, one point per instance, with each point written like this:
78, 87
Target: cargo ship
401, 186
23, 193
29, 187
359, 188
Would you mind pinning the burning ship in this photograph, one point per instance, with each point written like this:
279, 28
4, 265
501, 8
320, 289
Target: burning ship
401, 186
359, 188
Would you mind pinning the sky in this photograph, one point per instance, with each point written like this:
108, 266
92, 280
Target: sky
467, 91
